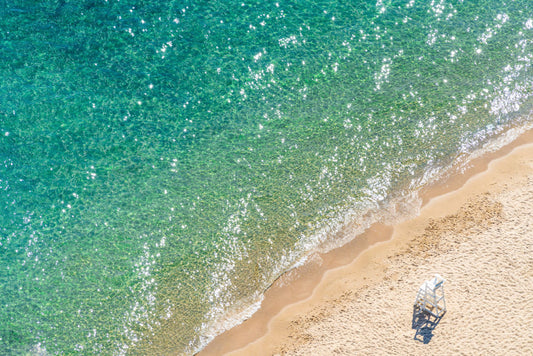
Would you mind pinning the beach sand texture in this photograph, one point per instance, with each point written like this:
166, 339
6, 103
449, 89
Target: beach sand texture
479, 238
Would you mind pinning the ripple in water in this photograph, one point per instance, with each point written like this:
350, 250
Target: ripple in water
163, 163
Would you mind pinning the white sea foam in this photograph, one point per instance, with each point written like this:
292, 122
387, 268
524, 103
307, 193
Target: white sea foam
209, 330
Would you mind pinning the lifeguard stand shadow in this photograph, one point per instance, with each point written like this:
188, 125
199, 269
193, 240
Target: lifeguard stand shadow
424, 323
428, 309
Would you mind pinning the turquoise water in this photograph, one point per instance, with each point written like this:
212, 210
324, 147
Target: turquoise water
163, 162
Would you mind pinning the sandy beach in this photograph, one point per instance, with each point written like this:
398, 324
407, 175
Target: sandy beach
477, 236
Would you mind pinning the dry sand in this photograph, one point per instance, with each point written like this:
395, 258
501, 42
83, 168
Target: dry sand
479, 238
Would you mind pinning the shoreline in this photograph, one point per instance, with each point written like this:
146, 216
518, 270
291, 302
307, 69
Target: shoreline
356, 265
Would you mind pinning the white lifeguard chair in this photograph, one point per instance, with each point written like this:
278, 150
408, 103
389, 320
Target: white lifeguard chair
430, 297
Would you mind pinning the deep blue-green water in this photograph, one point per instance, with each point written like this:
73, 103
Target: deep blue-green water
163, 162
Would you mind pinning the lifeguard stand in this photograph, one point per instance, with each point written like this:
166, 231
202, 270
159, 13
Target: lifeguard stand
430, 297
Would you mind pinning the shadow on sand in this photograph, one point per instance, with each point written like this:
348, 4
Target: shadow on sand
424, 323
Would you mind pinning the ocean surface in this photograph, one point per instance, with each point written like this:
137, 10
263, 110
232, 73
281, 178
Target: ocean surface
163, 162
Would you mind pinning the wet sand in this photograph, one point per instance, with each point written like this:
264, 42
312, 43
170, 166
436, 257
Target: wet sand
473, 230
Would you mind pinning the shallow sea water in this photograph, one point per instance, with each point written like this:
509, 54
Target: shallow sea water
163, 162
